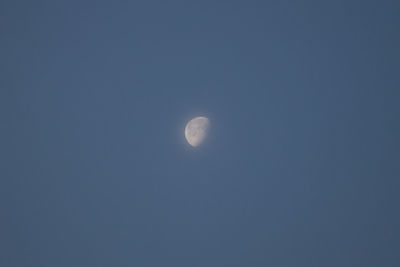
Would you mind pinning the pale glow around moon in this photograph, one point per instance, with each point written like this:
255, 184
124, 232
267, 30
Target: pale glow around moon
196, 130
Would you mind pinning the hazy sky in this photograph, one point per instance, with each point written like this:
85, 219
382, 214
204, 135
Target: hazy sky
301, 166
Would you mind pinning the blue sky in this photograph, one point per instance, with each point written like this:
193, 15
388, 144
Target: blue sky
301, 166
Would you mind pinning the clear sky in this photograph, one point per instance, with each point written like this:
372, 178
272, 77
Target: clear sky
301, 166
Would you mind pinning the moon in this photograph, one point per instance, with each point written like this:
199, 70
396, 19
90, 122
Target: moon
196, 130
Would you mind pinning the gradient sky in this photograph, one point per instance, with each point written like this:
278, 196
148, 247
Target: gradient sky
301, 167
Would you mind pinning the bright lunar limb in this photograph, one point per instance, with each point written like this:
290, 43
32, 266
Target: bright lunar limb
196, 130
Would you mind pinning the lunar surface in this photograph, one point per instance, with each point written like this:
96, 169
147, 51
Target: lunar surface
196, 130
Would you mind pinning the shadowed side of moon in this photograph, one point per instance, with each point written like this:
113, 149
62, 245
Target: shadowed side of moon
196, 130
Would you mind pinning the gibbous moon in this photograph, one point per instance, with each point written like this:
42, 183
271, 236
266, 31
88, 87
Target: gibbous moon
196, 130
